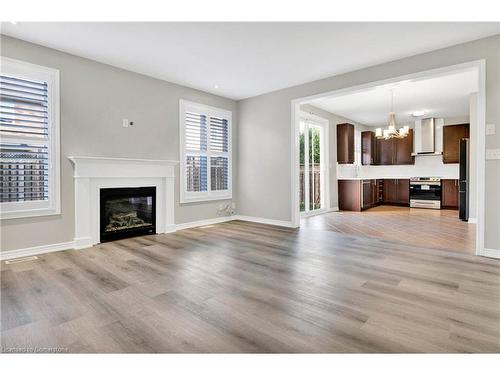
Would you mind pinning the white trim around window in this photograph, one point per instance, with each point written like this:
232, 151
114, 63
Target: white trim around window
207, 153
51, 205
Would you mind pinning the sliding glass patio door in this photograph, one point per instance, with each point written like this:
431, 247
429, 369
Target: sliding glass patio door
312, 166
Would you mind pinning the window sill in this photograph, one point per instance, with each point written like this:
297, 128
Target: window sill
19, 214
206, 199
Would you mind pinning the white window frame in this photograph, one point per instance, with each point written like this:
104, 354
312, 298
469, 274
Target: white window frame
51, 206
209, 195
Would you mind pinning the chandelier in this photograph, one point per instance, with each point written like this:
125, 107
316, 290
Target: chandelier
391, 131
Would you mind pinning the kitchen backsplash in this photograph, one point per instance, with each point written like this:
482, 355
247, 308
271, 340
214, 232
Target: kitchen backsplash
425, 166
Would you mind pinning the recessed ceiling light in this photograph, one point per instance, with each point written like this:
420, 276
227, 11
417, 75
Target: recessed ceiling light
418, 113
216, 86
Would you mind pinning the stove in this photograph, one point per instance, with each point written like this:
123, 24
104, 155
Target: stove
425, 192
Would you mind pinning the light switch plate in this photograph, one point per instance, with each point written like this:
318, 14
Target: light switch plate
490, 129
493, 154
125, 123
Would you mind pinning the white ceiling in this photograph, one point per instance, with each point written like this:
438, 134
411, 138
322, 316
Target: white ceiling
445, 96
240, 60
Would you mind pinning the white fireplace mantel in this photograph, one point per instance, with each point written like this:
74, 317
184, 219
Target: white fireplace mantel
94, 173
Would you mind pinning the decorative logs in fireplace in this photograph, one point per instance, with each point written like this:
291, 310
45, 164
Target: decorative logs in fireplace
127, 212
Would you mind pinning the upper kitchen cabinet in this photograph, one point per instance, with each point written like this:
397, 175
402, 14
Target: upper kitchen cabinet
368, 148
345, 143
395, 151
452, 134
385, 151
404, 149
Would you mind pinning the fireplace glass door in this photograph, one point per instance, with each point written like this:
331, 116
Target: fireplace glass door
127, 212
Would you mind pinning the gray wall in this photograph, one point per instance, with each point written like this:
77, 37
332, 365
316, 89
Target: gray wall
264, 127
94, 99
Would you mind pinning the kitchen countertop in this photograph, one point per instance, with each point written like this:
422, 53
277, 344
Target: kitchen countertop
384, 177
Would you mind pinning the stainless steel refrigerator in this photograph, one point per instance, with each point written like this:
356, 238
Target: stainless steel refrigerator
463, 182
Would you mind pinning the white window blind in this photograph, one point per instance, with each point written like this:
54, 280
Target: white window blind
29, 139
205, 152
24, 164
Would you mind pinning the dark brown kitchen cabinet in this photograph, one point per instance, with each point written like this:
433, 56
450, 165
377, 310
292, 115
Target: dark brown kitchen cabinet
370, 194
449, 193
395, 150
368, 148
358, 195
396, 191
345, 143
403, 149
452, 134
349, 195
385, 151
403, 191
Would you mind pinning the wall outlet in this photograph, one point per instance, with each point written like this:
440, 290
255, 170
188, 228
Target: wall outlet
125, 123
490, 129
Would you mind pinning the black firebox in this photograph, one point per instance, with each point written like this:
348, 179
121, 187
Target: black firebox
127, 212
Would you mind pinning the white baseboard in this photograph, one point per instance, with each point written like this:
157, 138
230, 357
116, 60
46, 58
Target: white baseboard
82, 243
217, 220
261, 220
472, 220
170, 228
201, 223
36, 250
491, 253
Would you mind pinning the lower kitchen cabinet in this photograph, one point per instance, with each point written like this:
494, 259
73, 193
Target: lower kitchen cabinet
349, 195
370, 194
396, 191
449, 194
358, 195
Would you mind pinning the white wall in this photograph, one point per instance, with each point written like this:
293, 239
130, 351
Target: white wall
264, 188
425, 166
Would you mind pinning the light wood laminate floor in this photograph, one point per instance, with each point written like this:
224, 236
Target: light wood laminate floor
244, 287
441, 229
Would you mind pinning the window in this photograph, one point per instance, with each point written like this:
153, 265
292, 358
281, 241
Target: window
29, 140
205, 152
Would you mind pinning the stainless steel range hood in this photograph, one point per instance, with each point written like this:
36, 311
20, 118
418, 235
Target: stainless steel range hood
425, 138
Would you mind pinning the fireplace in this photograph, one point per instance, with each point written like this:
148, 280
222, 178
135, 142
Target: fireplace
127, 212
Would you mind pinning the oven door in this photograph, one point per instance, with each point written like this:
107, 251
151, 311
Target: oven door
425, 191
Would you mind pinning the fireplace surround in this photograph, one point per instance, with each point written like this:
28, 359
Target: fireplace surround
93, 174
